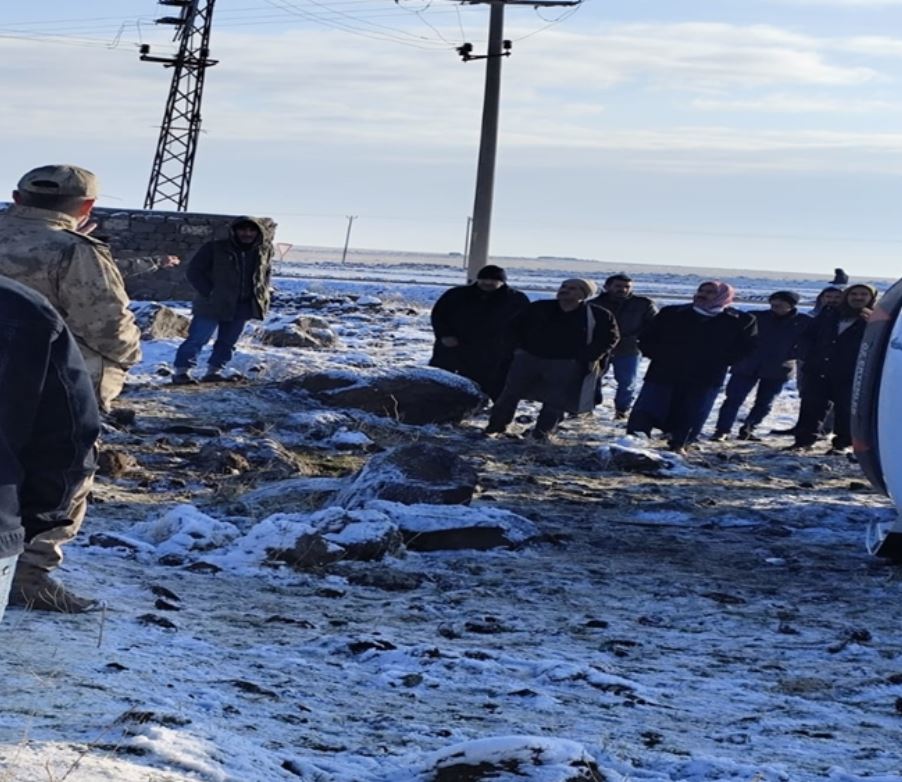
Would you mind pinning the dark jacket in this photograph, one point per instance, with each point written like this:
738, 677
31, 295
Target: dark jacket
226, 274
632, 314
545, 330
827, 353
778, 344
48, 417
688, 348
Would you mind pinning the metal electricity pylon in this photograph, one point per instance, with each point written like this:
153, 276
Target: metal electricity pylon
488, 145
173, 164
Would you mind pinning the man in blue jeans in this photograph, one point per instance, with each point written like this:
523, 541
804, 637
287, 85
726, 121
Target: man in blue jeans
232, 278
633, 314
48, 424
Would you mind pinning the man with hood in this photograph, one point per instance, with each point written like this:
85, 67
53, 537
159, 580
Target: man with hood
473, 326
231, 277
562, 347
768, 367
830, 353
690, 347
43, 246
632, 313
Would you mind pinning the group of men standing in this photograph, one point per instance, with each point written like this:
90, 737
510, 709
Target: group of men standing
556, 352
67, 340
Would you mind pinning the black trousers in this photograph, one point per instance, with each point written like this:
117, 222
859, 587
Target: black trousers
820, 392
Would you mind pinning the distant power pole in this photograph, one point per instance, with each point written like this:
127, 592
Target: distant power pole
173, 163
467, 241
488, 143
344, 253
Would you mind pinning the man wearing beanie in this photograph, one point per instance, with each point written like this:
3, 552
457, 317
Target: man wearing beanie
562, 348
473, 329
769, 366
632, 313
690, 347
830, 353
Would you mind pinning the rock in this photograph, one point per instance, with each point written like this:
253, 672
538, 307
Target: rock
412, 474
453, 527
114, 463
290, 496
302, 331
530, 758
268, 458
412, 395
157, 321
618, 457
319, 539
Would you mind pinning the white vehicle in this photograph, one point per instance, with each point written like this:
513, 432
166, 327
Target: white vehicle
877, 414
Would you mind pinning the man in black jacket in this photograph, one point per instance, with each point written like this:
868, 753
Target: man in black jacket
48, 424
769, 366
830, 353
473, 327
562, 346
231, 277
690, 347
632, 313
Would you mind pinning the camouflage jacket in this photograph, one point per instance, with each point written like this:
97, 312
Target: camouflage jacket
42, 249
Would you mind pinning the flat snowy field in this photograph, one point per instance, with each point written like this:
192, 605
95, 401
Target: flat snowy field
720, 620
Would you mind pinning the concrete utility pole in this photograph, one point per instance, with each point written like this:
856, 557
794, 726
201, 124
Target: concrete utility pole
478, 255
344, 253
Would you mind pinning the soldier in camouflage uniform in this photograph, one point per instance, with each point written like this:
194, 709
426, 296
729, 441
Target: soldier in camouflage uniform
41, 247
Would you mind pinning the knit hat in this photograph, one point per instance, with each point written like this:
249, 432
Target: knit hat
492, 273
790, 297
588, 287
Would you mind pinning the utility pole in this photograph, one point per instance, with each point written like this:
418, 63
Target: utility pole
498, 47
344, 253
173, 163
467, 242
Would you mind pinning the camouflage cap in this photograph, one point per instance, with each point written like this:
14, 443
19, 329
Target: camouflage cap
60, 180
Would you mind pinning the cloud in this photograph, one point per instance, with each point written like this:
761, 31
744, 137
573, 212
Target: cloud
784, 103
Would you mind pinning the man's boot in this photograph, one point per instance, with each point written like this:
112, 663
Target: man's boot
34, 589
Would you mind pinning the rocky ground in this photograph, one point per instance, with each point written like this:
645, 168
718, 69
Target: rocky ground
708, 618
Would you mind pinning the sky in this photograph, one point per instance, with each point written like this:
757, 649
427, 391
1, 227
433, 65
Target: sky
752, 134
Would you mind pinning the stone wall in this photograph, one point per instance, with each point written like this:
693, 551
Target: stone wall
138, 233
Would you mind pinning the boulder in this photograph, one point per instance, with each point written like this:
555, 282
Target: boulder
157, 321
630, 459
290, 496
530, 758
234, 455
412, 395
454, 527
301, 331
409, 474
319, 539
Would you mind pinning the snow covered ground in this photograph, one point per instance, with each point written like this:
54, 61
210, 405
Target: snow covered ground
717, 620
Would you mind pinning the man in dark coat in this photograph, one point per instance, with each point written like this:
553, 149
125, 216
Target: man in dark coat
48, 424
562, 347
830, 353
632, 313
473, 327
232, 278
690, 347
769, 366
